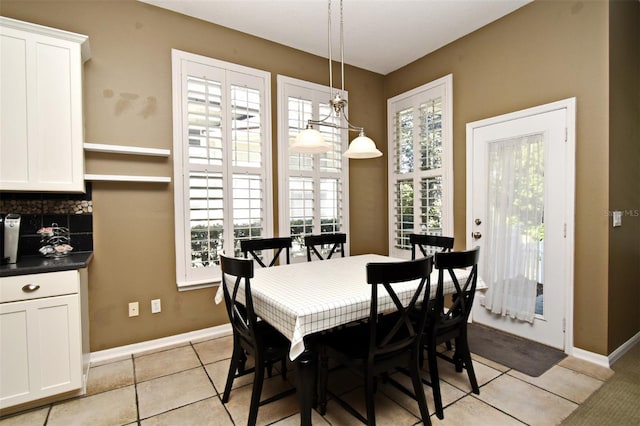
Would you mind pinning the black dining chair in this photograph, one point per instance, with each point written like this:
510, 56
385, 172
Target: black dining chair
255, 247
386, 341
429, 244
250, 335
315, 243
444, 324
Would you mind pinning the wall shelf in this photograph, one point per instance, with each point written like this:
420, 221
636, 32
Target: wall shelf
127, 178
125, 149
129, 150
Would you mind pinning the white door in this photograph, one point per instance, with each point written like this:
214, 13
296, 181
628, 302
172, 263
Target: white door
520, 203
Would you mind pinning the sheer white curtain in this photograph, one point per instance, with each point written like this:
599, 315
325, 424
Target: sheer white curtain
515, 223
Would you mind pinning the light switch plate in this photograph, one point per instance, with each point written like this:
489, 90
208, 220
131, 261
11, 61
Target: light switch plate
155, 306
617, 219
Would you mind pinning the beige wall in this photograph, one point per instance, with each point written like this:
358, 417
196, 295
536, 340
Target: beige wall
128, 101
544, 52
624, 171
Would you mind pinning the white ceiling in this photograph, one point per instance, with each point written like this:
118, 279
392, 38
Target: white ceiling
379, 35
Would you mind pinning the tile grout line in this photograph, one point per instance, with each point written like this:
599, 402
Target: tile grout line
549, 391
201, 366
46, 420
218, 394
526, 382
502, 373
500, 410
135, 388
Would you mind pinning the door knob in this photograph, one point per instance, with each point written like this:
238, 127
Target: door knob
476, 235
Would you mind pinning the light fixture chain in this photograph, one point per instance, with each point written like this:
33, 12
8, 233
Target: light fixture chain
330, 58
342, 45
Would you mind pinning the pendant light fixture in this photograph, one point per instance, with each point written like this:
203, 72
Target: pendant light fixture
311, 141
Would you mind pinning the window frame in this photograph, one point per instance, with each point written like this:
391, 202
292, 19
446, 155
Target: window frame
442, 87
230, 74
318, 94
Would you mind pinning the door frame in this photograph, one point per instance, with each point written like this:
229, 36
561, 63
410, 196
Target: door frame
569, 105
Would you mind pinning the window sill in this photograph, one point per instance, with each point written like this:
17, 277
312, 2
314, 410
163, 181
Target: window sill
197, 285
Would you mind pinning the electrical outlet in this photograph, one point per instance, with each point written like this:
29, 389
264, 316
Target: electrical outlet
155, 306
134, 310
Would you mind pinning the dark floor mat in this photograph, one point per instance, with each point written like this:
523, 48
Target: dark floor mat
526, 356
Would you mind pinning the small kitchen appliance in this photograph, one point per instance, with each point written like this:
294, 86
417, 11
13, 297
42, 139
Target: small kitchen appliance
11, 237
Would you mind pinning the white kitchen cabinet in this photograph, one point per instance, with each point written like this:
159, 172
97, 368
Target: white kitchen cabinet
43, 351
41, 137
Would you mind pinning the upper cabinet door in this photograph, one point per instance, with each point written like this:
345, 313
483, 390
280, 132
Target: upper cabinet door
41, 137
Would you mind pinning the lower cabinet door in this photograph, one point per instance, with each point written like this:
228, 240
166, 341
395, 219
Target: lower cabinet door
40, 348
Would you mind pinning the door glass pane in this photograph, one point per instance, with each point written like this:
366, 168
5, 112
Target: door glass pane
515, 212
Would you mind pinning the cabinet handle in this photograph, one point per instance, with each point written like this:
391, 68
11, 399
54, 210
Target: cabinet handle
30, 288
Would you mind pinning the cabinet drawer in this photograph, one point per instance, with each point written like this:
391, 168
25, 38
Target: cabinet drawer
34, 286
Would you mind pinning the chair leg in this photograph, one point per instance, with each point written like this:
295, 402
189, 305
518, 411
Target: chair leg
419, 390
435, 378
370, 388
323, 375
458, 361
283, 368
236, 362
465, 356
256, 391
242, 362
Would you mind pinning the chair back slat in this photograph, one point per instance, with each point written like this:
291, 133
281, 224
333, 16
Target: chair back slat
255, 247
242, 317
429, 244
391, 334
335, 241
462, 297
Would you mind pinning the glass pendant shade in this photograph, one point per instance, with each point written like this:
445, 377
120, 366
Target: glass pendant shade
362, 147
310, 141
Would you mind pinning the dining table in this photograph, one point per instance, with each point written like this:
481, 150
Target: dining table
304, 299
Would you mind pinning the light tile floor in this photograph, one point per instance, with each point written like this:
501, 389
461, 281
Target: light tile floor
183, 386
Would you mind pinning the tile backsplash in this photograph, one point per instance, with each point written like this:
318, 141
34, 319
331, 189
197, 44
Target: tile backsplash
37, 210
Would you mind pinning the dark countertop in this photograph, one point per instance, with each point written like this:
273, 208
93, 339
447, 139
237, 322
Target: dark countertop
39, 264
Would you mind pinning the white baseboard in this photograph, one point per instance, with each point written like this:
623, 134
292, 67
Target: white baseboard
622, 349
606, 361
591, 357
121, 352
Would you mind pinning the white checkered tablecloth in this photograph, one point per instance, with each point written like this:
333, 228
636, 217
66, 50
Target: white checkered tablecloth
305, 298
